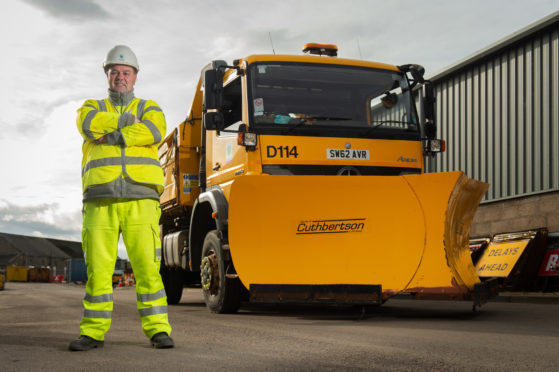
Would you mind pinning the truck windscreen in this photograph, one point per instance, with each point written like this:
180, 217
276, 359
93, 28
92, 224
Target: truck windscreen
331, 100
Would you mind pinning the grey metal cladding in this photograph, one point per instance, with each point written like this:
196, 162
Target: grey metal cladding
498, 111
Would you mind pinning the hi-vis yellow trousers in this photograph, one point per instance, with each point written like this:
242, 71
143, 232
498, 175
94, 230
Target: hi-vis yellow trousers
138, 220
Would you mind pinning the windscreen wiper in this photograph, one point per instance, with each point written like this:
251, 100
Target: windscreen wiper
309, 120
382, 122
326, 118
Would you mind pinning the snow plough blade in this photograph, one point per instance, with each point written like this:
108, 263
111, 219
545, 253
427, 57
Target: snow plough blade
402, 233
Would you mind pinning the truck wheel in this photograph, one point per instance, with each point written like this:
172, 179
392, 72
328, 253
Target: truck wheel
173, 282
222, 295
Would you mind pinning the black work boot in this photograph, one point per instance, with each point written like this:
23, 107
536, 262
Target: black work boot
84, 343
162, 340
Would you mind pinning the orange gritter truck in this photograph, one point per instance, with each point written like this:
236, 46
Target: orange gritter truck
300, 179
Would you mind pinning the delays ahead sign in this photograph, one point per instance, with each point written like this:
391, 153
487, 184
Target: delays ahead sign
499, 258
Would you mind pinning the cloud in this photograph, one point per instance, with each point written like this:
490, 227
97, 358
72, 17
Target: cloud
75, 10
46, 219
34, 124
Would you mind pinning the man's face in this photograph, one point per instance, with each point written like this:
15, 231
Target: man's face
121, 78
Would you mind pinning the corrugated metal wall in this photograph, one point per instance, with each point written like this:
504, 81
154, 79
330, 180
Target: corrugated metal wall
499, 116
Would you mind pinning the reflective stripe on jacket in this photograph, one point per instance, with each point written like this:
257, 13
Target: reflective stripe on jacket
131, 150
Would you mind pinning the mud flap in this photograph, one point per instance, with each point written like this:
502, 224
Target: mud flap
397, 232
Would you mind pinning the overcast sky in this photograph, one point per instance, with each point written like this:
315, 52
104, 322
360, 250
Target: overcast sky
52, 52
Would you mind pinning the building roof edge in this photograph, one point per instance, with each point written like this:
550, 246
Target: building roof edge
498, 45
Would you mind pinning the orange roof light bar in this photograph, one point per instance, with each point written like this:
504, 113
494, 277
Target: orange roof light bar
330, 50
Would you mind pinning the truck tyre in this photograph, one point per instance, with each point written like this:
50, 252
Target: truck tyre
222, 295
173, 283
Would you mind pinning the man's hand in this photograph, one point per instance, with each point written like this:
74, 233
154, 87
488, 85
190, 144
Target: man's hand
104, 139
101, 140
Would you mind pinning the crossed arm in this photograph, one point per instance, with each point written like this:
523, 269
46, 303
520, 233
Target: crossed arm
105, 137
112, 128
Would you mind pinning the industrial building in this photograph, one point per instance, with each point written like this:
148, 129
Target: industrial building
498, 112
23, 250
63, 258
60, 257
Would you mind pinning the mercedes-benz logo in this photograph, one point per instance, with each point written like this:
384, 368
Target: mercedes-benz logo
347, 145
348, 171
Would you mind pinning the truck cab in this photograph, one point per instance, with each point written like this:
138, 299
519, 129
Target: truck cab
311, 115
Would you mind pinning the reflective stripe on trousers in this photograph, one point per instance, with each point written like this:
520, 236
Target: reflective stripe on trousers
103, 219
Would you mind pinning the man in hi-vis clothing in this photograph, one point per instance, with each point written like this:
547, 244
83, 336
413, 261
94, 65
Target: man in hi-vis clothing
122, 180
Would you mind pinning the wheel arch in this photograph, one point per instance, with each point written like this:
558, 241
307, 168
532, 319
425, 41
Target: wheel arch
203, 221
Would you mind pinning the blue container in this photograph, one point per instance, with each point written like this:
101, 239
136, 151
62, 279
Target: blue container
76, 270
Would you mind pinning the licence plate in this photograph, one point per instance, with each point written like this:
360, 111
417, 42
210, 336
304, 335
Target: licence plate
350, 154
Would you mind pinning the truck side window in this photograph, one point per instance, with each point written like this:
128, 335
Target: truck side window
232, 107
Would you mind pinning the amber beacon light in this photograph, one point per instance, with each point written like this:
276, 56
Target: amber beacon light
330, 50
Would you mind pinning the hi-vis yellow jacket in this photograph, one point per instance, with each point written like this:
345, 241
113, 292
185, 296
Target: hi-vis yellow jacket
128, 164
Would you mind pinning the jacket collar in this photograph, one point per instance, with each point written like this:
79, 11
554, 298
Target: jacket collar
120, 99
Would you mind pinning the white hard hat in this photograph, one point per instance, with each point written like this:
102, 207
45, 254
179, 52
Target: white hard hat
121, 55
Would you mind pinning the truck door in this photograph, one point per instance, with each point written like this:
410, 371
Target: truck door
226, 159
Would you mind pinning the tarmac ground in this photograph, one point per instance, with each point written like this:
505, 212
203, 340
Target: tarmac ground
517, 332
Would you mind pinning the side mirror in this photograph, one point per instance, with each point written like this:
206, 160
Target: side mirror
213, 89
213, 120
430, 125
416, 72
212, 81
389, 100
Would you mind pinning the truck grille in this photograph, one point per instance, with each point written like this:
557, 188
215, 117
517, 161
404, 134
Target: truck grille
333, 170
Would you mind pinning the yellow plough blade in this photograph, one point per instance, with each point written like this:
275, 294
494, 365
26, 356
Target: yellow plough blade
406, 233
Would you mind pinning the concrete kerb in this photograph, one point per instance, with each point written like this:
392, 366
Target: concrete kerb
528, 297
516, 297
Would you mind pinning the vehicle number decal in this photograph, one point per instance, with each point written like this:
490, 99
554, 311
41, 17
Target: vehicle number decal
350, 154
281, 151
